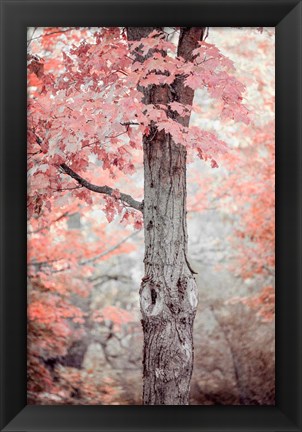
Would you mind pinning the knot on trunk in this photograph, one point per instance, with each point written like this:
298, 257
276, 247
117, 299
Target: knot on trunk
151, 297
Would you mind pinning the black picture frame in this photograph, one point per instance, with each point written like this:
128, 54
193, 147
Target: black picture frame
16, 16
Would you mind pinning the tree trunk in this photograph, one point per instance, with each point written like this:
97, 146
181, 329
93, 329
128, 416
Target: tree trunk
168, 293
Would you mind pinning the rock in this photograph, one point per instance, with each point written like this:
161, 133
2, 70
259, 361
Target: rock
113, 347
94, 358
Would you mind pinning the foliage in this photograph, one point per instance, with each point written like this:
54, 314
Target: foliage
246, 186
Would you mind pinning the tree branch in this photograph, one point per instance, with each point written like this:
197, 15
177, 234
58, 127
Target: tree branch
189, 38
237, 372
107, 190
83, 262
111, 249
50, 223
48, 34
137, 205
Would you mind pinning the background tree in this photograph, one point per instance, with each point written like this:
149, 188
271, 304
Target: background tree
138, 84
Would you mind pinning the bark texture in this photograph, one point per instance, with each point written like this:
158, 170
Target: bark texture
168, 293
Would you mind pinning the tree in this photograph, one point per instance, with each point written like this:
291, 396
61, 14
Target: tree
61, 273
113, 93
247, 186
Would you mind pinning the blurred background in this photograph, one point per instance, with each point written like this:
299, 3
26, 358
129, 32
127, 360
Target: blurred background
84, 331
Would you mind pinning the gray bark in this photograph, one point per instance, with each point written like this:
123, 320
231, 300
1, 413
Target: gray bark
168, 293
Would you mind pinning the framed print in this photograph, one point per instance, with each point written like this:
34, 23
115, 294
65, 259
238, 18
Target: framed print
126, 227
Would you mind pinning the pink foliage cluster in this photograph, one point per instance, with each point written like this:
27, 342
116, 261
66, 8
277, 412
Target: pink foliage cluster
89, 112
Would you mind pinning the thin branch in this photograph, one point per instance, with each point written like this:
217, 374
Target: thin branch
62, 216
84, 262
242, 394
130, 123
101, 279
113, 248
49, 34
116, 136
66, 189
29, 41
46, 263
107, 190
